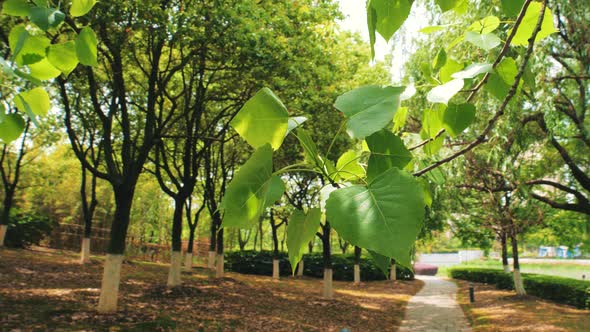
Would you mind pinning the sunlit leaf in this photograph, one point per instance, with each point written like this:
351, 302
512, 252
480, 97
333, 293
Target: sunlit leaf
529, 22
63, 56
252, 189
473, 70
86, 47
485, 25
451, 67
486, 41
81, 7
262, 120
507, 70
443, 93
389, 15
295, 122
44, 70
446, 5
348, 167
37, 100
26, 48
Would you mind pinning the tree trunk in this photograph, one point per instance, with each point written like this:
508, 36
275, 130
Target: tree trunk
328, 291
261, 234
212, 242
188, 260
5, 218
174, 273
111, 277
275, 243
393, 271
300, 268
85, 250
357, 265
503, 241
219, 271
518, 283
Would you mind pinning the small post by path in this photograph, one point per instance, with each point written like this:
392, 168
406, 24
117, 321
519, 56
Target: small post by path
471, 293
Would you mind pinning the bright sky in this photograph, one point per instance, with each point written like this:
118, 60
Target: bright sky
356, 20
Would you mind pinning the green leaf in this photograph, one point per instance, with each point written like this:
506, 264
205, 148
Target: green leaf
486, 25
497, 87
385, 216
387, 151
63, 56
399, 120
485, 41
382, 262
372, 25
449, 69
46, 18
262, 120
44, 70
443, 93
446, 5
11, 127
295, 122
252, 189
37, 100
440, 60
507, 70
16, 8
473, 71
313, 156
369, 109
529, 22
427, 193
432, 123
26, 48
86, 50
512, 7
458, 117
433, 29
389, 15
81, 7
300, 231
348, 167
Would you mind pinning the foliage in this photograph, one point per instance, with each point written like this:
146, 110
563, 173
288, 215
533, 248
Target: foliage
557, 289
42, 47
26, 229
260, 263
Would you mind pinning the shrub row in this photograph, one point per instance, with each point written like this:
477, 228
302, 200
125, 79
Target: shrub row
260, 263
557, 289
26, 229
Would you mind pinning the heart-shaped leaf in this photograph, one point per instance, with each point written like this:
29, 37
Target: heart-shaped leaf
458, 117
385, 216
387, 151
300, 231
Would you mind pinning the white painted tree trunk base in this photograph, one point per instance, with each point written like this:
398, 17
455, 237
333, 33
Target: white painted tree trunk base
518, 284
109, 290
507, 268
85, 251
211, 260
3, 229
188, 261
393, 273
357, 274
174, 278
300, 269
219, 271
276, 274
328, 290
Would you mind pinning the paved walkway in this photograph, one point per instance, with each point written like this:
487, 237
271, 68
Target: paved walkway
435, 308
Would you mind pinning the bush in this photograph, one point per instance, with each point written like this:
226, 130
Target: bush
557, 289
25, 229
260, 263
425, 269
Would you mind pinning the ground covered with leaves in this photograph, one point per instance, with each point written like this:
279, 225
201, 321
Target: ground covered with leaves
502, 310
49, 290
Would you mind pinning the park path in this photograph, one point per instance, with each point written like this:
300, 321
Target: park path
435, 308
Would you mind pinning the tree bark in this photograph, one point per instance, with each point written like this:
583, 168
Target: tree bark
518, 283
503, 242
219, 272
327, 291
357, 265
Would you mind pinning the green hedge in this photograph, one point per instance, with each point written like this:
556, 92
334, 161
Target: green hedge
260, 263
557, 289
26, 229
